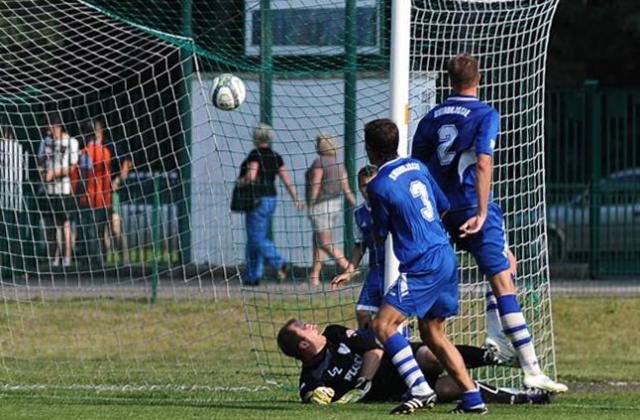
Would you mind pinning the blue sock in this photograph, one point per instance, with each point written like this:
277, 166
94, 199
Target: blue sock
399, 351
517, 331
472, 400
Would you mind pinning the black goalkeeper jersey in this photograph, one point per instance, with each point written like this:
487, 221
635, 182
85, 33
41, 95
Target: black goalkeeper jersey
339, 364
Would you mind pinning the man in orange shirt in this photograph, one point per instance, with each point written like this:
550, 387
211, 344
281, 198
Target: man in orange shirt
94, 192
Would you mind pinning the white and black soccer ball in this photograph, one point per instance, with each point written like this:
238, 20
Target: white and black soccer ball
227, 92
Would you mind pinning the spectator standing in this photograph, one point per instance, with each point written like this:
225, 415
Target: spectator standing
121, 165
57, 159
94, 194
261, 167
326, 182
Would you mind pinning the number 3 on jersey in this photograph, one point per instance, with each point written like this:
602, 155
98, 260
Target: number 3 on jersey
447, 135
419, 190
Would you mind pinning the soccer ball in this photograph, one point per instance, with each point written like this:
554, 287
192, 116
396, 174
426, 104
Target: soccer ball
228, 92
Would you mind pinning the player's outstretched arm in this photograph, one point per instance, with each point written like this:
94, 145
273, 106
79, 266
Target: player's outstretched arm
340, 279
370, 364
356, 256
359, 391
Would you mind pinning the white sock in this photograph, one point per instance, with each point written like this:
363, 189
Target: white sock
494, 325
517, 330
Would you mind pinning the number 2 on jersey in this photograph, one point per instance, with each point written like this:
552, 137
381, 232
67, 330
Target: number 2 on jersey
447, 134
419, 190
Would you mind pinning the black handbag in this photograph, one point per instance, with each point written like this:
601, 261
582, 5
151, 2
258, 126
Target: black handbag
244, 197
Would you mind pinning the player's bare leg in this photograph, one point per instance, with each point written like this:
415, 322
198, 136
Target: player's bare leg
496, 340
364, 319
433, 334
385, 326
514, 327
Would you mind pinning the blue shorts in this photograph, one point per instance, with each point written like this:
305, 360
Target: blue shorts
372, 291
428, 295
489, 246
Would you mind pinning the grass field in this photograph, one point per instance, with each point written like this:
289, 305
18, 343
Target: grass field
283, 405
596, 347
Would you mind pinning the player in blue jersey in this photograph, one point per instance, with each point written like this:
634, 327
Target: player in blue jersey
373, 286
456, 140
405, 205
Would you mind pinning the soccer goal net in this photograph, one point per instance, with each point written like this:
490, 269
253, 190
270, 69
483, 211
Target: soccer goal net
510, 40
122, 265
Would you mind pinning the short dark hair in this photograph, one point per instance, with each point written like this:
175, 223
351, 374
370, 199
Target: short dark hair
87, 130
8, 133
463, 71
55, 119
289, 340
382, 137
367, 171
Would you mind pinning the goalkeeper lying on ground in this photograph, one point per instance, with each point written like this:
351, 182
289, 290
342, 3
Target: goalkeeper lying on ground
341, 366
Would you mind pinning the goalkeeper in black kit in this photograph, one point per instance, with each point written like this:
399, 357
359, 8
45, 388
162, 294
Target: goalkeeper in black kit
341, 366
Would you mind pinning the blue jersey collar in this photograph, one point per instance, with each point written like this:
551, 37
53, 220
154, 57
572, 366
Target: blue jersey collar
459, 97
389, 163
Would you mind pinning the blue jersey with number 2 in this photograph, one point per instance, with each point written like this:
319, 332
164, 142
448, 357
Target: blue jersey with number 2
448, 140
405, 203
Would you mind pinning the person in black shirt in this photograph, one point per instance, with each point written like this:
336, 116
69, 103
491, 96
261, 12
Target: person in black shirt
261, 167
341, 365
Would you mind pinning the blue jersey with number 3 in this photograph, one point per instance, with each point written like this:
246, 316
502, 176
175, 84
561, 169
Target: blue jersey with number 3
448, 140
405, 203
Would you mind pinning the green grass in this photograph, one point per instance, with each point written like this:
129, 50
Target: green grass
597, 338
145, 256
281, 405
127, 341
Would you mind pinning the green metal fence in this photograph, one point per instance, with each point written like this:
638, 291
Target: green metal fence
593, 178
592, 153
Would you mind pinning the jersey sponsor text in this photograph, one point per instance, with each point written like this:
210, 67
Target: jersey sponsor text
457, 110
412, 166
